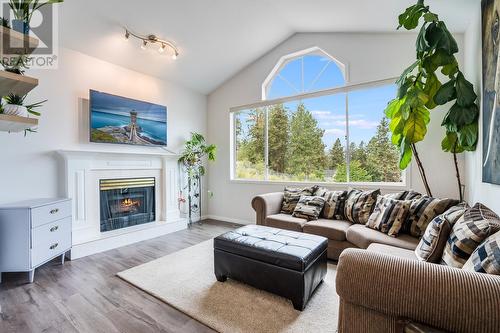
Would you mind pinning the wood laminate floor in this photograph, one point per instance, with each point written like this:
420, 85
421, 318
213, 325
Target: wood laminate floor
85, 295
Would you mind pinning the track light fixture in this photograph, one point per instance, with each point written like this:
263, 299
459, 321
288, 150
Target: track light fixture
152, 39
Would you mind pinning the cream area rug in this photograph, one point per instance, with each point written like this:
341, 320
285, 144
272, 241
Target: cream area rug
186, 281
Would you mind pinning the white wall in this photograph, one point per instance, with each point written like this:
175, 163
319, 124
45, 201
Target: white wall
28, 165
369, 57
477, 191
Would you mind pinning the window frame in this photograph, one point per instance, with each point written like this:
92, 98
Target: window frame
406, 174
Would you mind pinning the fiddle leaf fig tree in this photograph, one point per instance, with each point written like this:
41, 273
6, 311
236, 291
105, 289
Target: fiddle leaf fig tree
433, 79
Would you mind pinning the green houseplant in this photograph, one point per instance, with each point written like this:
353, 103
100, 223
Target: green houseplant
191, 161
433, 79
23, 12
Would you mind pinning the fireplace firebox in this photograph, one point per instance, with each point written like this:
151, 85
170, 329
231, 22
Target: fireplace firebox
126, 202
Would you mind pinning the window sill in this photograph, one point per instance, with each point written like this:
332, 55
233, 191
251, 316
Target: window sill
382, 186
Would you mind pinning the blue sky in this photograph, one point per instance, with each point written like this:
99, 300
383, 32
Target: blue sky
102, 102
366, 107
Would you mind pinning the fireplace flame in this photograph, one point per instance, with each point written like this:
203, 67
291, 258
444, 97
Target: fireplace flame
129, 203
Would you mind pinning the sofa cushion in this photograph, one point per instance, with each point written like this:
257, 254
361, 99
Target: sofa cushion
309, 207
291, 197
431, 246
392, 250
362, 237
359, 205
389, 215
285, 221
334, 203
331, 229
477, 224
423, 211
404, 195
486, 258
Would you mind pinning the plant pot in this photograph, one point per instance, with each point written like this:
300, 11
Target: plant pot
21, 26
15, 110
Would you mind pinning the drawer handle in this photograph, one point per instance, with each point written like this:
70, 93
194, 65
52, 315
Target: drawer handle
53, 246
54, 211
55, 228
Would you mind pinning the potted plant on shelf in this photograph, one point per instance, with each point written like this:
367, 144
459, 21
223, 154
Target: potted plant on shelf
5, 23
14, 105
191, 161
24, 10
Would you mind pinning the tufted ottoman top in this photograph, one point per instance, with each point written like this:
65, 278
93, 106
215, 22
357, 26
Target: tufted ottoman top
283, 248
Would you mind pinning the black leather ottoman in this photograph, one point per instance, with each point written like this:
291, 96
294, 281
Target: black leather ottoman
286, 263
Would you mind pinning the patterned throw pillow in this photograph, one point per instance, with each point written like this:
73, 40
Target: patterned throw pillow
432, 244
477, 224
292, 196
334, 204
486, 258
423, 211
404, 195
359, 205
389, 215
309, 207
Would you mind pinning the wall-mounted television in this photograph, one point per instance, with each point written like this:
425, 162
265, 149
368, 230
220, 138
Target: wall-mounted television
115, 119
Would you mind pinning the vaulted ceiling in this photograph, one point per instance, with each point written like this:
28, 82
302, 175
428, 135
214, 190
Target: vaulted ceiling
217, 38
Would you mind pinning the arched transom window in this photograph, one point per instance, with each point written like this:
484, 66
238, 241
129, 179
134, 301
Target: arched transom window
303, 72
313, 126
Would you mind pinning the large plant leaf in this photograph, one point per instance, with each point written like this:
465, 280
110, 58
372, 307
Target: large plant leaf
422, 45
438, 37
402, 79
409, 19
459, 116
446, 93
415, 127
450, 143
431, 87
405, 155
468, 136
437, 59
465, 91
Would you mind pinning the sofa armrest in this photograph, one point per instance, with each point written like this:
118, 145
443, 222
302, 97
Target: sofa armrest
267, 204
443, 297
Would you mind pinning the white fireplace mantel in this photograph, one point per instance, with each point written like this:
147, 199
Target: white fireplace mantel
82, 171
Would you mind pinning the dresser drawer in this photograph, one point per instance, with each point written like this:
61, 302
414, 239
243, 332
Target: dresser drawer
49, 213
50, 240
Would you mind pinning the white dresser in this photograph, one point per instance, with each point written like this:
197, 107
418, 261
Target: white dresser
32, 233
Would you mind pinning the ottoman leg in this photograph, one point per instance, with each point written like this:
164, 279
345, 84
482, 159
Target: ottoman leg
221, 278
298, 305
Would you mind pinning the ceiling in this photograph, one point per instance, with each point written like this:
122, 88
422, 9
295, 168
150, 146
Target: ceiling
218, 38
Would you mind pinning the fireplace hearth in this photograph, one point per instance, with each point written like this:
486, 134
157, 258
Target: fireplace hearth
126, 202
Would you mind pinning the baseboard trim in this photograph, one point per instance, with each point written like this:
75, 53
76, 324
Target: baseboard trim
226, 219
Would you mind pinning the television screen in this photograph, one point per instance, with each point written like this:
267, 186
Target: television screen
115, 119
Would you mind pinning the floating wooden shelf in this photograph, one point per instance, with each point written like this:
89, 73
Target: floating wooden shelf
14, 42
10, 123
16, 83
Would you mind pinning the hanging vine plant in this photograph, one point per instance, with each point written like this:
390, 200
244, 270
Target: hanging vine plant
433, 79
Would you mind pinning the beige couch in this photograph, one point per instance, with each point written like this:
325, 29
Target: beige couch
341, 234
386, 289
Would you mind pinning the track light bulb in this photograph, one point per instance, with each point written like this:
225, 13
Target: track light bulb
127, 35
144, 45
162, 48
174, 56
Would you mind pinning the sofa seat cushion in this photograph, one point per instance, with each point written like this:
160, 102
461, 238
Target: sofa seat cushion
362, 237
285, 221
283, 248
331, 229
392, 250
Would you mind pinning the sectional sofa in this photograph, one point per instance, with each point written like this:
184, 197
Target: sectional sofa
341, 234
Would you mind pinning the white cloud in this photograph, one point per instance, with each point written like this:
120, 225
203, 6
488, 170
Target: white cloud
359, 123
335, 132
327, 115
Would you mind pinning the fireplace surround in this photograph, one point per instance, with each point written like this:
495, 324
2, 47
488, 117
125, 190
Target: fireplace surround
84, 174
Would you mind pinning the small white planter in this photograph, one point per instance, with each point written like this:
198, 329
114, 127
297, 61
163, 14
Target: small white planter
15, 110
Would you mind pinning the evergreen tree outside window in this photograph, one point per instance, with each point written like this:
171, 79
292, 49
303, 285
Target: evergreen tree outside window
315, 127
